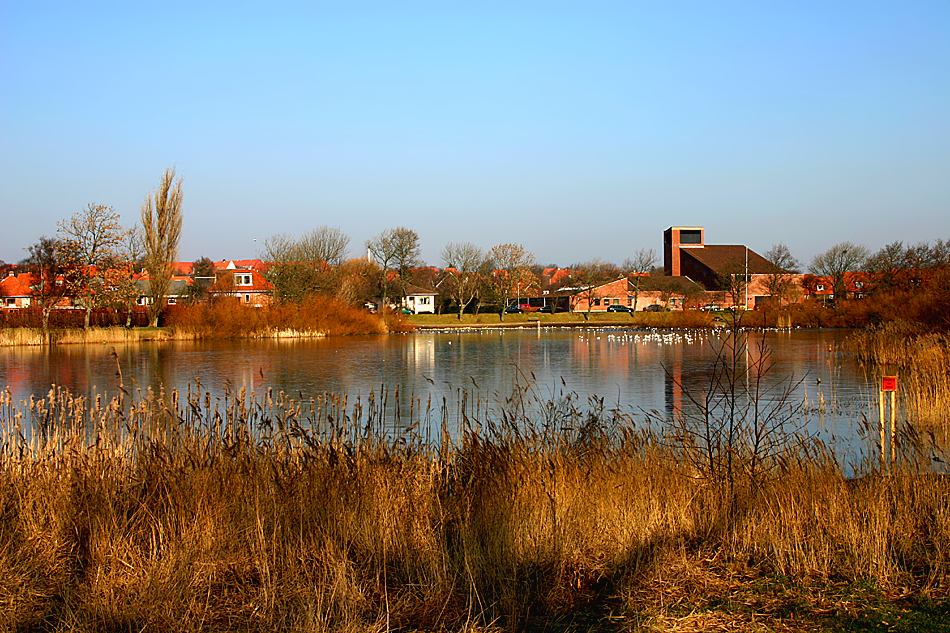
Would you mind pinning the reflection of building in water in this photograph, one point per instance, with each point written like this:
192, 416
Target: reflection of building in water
613, 354
420, 353
673, 385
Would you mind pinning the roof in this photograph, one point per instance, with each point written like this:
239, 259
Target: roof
725, 259
16, 285
239, 264
668, 283
176, 288
188, 268
418, 290
555, 275
258, 282
853, 282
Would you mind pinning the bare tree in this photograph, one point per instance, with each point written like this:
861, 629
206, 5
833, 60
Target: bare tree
56, 274
888, 265
325, 244
97, 235
161, 224
588, 276
407, 253
301, 267
638, 267
512, 271
780, 282
359, 281
836, 262
463, 263
132, 252
395, 249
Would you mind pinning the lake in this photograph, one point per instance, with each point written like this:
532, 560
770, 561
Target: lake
637, 371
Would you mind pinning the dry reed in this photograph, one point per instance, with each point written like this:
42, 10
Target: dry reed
921, 360
189, 512
317, 315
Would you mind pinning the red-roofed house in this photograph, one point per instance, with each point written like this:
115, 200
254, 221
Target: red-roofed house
15, 291
817, 287
246, 284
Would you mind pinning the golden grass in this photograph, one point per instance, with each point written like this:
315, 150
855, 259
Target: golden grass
180, 512
78, 336
921, 360
317, 315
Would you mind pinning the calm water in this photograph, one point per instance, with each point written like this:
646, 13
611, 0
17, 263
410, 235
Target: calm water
637, 370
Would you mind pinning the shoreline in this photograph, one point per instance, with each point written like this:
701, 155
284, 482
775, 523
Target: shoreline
35, 337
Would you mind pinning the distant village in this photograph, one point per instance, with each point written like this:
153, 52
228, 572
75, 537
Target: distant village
693, 275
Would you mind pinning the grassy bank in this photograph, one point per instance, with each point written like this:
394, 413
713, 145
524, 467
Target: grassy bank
566, 319
176, 512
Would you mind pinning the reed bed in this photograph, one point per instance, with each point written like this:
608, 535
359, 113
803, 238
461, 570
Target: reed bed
921, 360
92, 336
317, 315
186, 512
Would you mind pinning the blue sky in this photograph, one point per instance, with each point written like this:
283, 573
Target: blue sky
579, 129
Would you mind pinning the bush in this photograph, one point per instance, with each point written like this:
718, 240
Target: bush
227, 318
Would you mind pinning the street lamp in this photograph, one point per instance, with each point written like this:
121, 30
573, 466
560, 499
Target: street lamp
746, 306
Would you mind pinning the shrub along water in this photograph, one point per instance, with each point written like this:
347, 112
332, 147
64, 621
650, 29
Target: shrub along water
316, 315
186, 512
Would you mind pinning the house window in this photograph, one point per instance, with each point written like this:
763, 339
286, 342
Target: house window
242, 280
247, 298
859, 284
423, 300
616, 301
11, 301
172, 301
820, 287
596, 302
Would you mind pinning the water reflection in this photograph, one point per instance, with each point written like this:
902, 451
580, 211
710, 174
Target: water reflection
636, 370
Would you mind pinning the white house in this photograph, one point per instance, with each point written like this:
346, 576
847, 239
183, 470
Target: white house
419, 300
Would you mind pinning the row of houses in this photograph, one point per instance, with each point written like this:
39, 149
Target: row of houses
242, 279
696, 275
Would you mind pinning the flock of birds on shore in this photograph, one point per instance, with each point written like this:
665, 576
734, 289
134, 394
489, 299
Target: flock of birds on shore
654, 336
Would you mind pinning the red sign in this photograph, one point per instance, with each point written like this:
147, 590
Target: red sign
888, 383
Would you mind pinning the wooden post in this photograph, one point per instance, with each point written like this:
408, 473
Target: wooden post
893, 427
883, 439
889, 384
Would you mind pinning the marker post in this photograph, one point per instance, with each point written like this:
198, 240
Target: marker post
888, 385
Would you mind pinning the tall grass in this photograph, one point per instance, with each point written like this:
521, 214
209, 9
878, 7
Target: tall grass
317, 315
182, 511
920, 359
103, 335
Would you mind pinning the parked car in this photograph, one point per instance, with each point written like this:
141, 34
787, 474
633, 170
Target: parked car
548, 309
617, 307
710, 307
654, 307
514, 309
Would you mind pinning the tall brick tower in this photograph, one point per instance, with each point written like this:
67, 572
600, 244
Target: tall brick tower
676, 238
